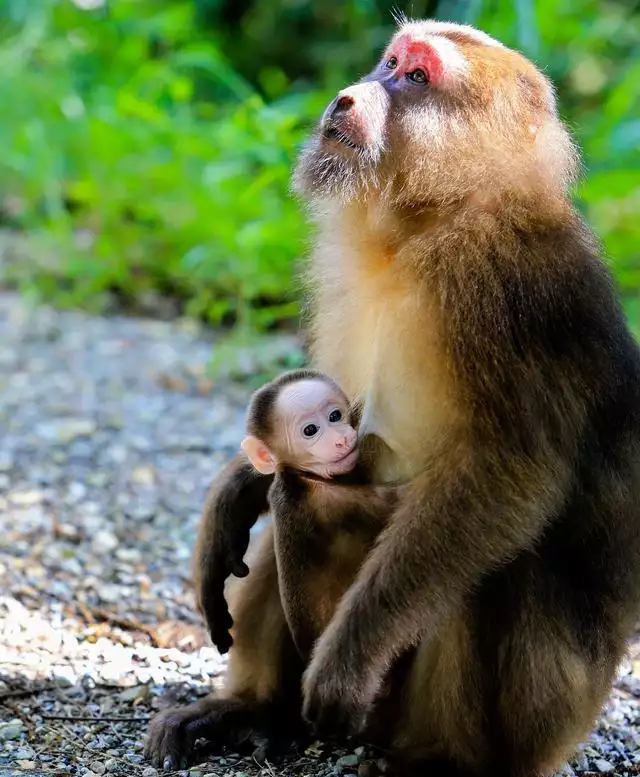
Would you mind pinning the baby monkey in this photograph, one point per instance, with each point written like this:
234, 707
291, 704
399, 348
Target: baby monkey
326, 515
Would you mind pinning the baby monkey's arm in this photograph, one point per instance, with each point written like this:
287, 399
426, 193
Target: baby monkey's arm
323, 531
237, 497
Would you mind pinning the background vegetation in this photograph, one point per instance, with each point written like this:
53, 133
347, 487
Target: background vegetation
147, 144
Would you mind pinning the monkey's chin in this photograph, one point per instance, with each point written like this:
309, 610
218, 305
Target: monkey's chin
345, 464
334, 141
329, 168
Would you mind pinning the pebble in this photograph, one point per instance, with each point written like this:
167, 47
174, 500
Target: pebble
11, 730
149, 771
347, 760
104, 542
603, 766
98, 767
24, 753
112, 765
64, 676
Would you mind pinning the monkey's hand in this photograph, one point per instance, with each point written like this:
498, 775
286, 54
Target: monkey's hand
237, 497
336, 700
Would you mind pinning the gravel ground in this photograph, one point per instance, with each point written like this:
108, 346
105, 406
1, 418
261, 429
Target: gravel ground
110, 432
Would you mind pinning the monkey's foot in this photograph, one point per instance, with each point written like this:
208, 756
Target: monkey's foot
172, 733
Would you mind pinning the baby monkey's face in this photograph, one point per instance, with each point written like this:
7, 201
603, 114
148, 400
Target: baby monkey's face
314, 421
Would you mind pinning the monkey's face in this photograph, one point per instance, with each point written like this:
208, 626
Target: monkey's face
315, 431
446, 112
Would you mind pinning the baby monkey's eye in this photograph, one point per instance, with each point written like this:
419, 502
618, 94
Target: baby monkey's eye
335, 416
310, 430
418, 76
391, 63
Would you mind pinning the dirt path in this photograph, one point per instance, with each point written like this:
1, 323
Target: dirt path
109, 435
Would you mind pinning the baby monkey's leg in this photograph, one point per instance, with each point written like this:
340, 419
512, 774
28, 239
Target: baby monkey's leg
261, 697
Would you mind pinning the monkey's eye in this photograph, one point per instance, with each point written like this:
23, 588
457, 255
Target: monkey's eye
391, 63
335, 416
418, 76
310, 430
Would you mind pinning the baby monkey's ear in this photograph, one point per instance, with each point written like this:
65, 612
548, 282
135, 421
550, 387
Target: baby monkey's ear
259, 455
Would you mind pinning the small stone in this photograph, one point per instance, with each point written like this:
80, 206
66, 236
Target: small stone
129, 555
24, 764
11, 730
110, 593
26, 498
76, 492
347, 760
24, 753
134, 758
133, 693
104, 542
98, 767
66, 430
359, 751
111, 765
366, 769
149, 772
144, 476
603, 766
582, 763
195, 773
64, 676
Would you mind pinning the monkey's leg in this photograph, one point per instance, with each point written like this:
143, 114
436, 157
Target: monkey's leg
261, 693
510, 685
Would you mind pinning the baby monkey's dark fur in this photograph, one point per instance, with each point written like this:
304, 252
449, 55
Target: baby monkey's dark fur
323, 529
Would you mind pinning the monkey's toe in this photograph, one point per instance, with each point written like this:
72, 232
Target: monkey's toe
168, 743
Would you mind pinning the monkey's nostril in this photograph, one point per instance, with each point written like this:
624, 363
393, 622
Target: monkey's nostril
344, 104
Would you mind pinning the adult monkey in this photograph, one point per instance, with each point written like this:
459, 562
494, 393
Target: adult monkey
460, 299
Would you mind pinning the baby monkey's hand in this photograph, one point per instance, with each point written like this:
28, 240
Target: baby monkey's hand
236, 499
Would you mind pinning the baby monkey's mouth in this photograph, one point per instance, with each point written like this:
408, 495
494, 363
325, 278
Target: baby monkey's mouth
347, 462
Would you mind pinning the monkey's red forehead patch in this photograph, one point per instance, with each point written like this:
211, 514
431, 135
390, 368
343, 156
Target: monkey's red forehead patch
437, 56
417, 54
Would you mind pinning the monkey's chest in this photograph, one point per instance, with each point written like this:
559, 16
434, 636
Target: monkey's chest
396, 373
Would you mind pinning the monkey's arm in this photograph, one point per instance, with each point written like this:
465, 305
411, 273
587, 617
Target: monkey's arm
464, 516
308, 517
236, 499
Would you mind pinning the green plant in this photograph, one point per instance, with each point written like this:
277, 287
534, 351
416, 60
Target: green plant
147, 146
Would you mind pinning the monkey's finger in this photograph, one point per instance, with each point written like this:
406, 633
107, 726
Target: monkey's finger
222, 641
239, 569
165, 743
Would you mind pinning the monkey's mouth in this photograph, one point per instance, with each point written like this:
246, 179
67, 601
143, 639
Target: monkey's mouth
331, 132
346, 463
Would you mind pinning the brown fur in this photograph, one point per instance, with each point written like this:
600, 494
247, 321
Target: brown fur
460, 301
323, 532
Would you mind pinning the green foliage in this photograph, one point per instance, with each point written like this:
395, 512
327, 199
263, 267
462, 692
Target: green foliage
137, 181
147, 145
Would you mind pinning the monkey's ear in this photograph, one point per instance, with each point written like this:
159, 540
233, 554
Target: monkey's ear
259, 455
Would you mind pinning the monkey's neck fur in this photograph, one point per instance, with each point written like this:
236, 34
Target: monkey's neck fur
434, 295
